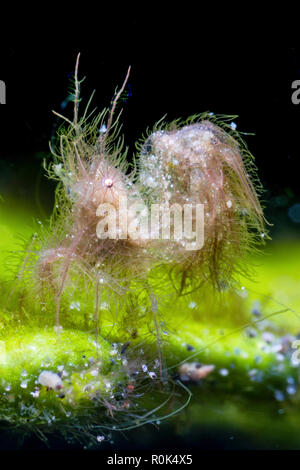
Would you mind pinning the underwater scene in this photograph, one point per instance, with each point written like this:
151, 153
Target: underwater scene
149, 254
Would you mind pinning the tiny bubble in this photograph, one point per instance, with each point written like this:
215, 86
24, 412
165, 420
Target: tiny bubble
192, 304
279, 396
291, 390
224, 372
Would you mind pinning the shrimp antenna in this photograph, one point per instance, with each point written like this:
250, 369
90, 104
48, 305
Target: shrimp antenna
113, 107
76, 94
116, 99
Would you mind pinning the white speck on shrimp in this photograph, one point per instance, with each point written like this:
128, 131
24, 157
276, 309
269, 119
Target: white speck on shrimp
108, 182
58, 167
50, 379
103, 129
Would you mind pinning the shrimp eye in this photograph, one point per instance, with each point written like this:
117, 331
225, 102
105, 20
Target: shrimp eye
108, 182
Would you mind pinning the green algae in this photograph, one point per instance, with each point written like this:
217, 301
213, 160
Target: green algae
253, 389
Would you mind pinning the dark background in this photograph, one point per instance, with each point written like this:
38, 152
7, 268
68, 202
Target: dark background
232, 77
